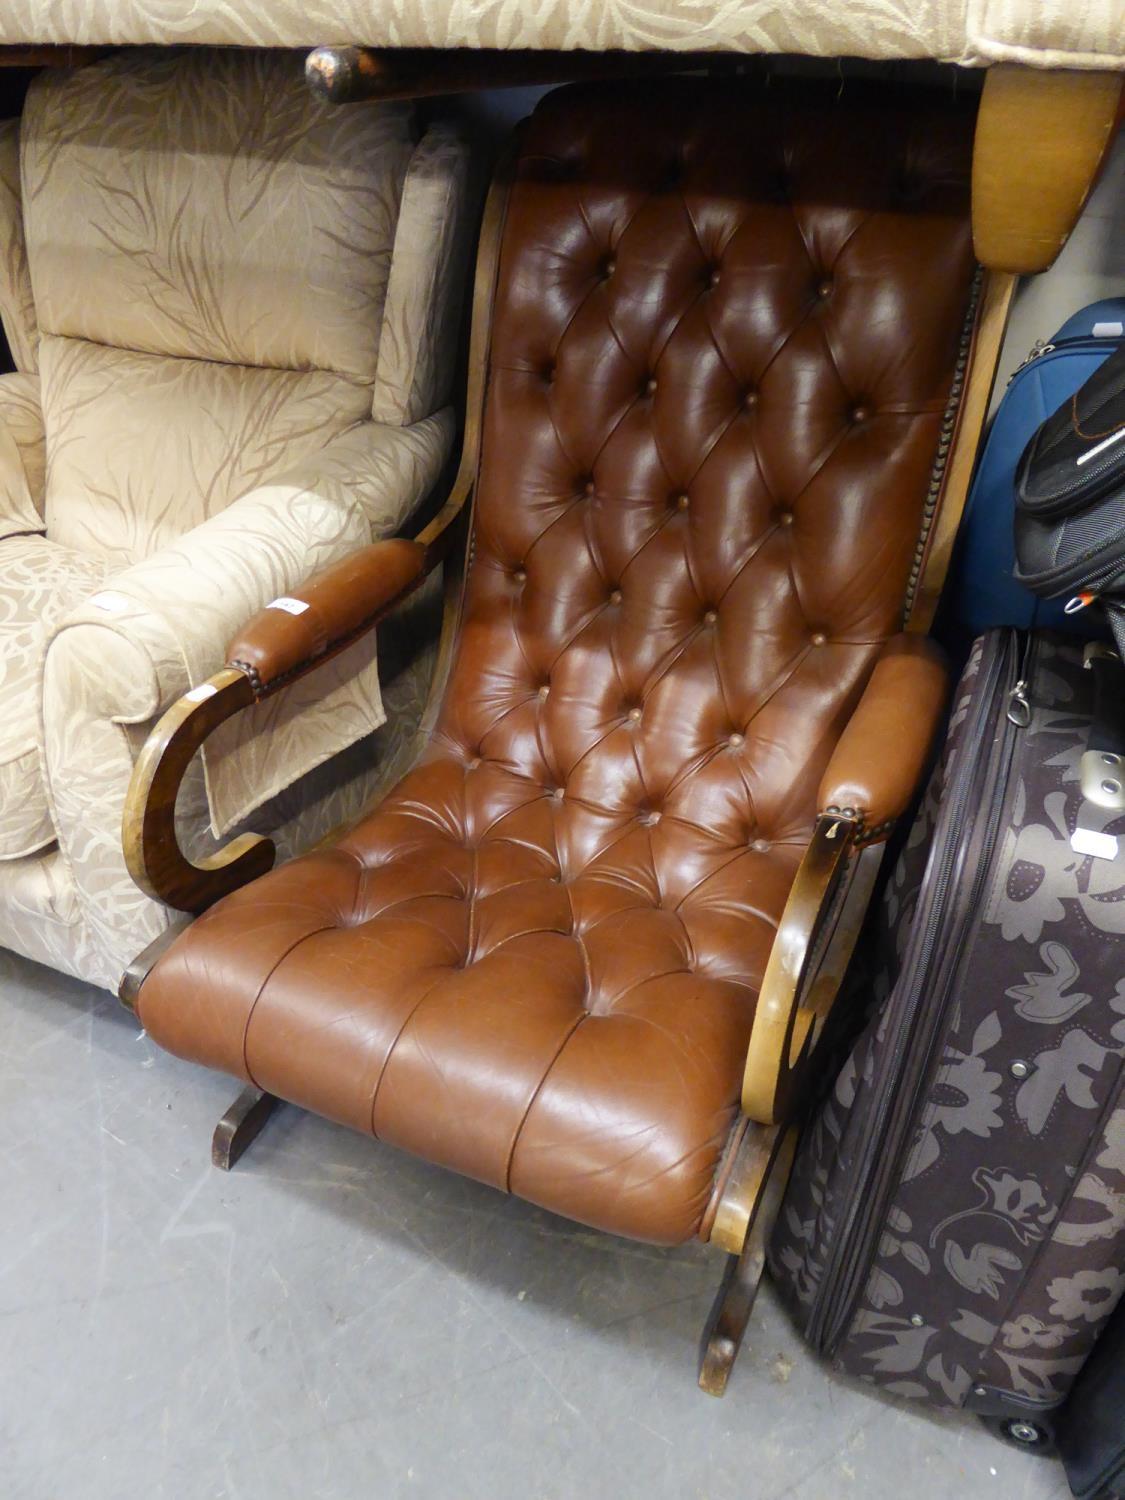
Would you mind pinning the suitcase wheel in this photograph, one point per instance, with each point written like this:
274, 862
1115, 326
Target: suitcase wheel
1031, 1434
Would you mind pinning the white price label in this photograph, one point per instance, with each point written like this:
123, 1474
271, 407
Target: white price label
1089, 841
290, 606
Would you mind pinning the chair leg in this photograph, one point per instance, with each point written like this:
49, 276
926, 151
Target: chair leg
722, 1337
240, 1126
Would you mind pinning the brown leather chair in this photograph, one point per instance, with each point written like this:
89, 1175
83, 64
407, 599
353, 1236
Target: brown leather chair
583, 950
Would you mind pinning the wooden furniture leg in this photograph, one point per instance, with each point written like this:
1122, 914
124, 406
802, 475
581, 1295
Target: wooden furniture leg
722, 1337
241, 1126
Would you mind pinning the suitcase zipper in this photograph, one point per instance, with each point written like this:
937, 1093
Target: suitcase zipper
1071, 345
1037, 351
981, 782
1057, 581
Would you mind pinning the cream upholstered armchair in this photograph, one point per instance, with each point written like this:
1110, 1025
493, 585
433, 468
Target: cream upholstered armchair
232, 309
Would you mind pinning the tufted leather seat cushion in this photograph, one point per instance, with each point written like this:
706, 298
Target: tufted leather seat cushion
725, 335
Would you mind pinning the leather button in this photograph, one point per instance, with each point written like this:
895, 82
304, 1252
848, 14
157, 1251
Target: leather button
651, 817
615, 597
785, 518
710, 617
760, 846
818, 638
473, 764
634, 714
750, 398
682, 502
607, 268
587, 486
735, 739
519, 575
649, 387
824, 289
860, 413
545, 690
558, 793
712, 276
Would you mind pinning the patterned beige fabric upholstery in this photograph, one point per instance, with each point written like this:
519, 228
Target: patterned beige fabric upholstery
424, 295
76, 908
1041, 33
209, 252
23, 455
206, 205
142, 448
161, 626
17, 305
1049, 33
40, 582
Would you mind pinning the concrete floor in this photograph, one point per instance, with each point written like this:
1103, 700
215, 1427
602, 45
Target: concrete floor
334, 1319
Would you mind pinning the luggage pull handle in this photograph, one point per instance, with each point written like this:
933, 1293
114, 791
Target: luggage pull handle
1101, 770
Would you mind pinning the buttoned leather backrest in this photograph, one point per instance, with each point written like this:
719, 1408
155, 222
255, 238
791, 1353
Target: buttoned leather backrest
209, 250
726, 331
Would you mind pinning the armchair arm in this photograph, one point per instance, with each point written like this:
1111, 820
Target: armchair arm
326, 614
870, 781
160, 626
22, 455
879, 758
281, 643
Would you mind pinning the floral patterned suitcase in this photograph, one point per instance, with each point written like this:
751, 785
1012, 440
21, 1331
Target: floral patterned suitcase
1091, 1426
955, 1226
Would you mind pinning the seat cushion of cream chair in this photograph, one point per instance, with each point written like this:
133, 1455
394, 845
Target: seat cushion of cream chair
42, 582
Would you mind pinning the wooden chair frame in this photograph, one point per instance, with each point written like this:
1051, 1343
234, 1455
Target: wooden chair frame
830, 893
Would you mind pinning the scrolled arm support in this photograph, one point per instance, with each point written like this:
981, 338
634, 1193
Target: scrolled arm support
280, 644
803, 972
152, 851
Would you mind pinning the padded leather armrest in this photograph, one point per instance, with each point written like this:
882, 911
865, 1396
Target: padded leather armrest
326, 613
879, 758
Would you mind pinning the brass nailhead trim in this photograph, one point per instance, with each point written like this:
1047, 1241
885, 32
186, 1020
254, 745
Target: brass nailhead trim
945, 438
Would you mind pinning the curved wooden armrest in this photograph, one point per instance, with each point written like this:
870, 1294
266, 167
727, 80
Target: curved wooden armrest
275, 649
811, 950
148, 828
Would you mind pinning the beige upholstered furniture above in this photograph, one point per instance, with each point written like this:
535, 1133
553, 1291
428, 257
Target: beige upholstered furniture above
233, 311
1036, 33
